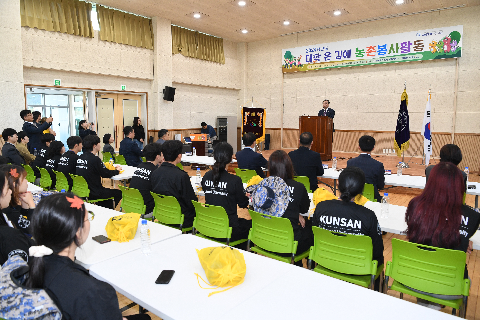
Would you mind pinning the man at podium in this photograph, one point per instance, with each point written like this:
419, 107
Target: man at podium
326, 111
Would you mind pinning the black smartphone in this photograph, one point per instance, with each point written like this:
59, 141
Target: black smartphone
101, 239
165, 277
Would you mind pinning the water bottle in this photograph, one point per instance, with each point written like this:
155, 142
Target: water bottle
194, 151
334, 164
399, 169
385, 204
466, 172
198, 178
35, 153
111, 161
145, 237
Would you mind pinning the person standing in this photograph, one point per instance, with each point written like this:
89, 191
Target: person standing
326, 111
129, 149
34, 130
21, 146
139, 137
208, 129
84, 129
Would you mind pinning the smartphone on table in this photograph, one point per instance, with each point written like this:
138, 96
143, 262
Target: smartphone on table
165, 277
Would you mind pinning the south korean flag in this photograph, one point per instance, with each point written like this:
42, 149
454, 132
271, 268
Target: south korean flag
426, 133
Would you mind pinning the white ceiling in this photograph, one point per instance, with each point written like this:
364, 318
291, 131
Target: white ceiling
264, 18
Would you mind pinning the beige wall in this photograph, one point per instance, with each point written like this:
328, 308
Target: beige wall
368, 98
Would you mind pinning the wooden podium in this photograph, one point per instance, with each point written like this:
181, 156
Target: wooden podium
322, 131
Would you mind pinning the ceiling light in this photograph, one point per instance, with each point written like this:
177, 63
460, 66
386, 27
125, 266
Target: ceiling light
244, 31
197, 15
286, 23
399, 1
337, 12
242, 4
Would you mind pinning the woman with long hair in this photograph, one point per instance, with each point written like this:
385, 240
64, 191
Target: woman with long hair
226, 190
346, 216
12, 241
60, 225
20, 208
438, 217
139, 132
54, 153
84, 129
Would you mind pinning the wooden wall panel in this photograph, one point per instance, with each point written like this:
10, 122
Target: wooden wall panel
469, 144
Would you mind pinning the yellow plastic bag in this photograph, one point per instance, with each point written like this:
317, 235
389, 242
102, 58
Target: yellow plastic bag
321, 194
224, 267
110, 166
360, 200
254, 180
123, 228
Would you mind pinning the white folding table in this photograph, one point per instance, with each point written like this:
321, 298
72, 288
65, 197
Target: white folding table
92, 252
33, 188
126, 174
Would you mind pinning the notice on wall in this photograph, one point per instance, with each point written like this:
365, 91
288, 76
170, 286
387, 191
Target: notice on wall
438, 43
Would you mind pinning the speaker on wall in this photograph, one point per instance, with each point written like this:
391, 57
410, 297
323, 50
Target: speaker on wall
168, 93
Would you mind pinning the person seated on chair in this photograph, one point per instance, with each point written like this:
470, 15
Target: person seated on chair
141, 179
170, 180
84, 129
68, 161
162, 136
54, 153
21, 146
208, 129
449, 153
226, 190
61, 224
20, 208
129, 149
346, 216
9, 150
291, 199
249, 159
92, 169
107, 147
41, 158
33, 128
307, 162
438, 217
12, 241
373, 169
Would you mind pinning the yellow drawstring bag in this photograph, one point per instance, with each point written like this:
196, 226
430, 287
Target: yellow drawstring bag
254, 180
360, 200
321, 194
123, 228
224, 267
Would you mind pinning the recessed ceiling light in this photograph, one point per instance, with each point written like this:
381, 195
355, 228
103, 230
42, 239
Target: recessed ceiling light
244, 31
399, 1
242, 3
197, 15
286, 23
337, 12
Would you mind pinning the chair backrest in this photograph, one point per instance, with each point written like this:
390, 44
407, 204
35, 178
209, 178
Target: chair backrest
144, 159
426, 268
80, 186
167, 209
245, 174
273, 234
344, 253
211, 221
45, 179
30, 174
132, 200
61, 181
107, 156
305, 181
120, 159
180, 165
369, 192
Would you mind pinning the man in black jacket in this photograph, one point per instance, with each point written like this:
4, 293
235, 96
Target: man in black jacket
307, 162
9, 150
68, 162
129, 148
373, 169
170, 180
41, 158
326, 111
249, 159
33, 131
90, 167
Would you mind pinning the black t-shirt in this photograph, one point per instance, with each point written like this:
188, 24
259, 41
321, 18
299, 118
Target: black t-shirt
227, 194
13, 242
41, 158
20, 217
68, 164
299, 202
93, 170
468, 226
350, 218
141, 181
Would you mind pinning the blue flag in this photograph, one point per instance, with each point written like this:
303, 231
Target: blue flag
402, 133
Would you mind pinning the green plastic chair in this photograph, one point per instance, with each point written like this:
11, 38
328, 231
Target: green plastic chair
212, 223
245, 174
119, 159
273, 235
168, 212
429, 269
45, 179
107, 156
61, 181
305, 181
369, 192
80, 188
180, 165
144, 159
132, 201
346, 257
30, 174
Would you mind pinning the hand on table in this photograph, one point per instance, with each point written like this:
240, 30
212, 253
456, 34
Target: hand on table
118, 167
26, 200
302, 221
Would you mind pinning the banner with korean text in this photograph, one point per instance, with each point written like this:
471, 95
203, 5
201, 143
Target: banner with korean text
438, 43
